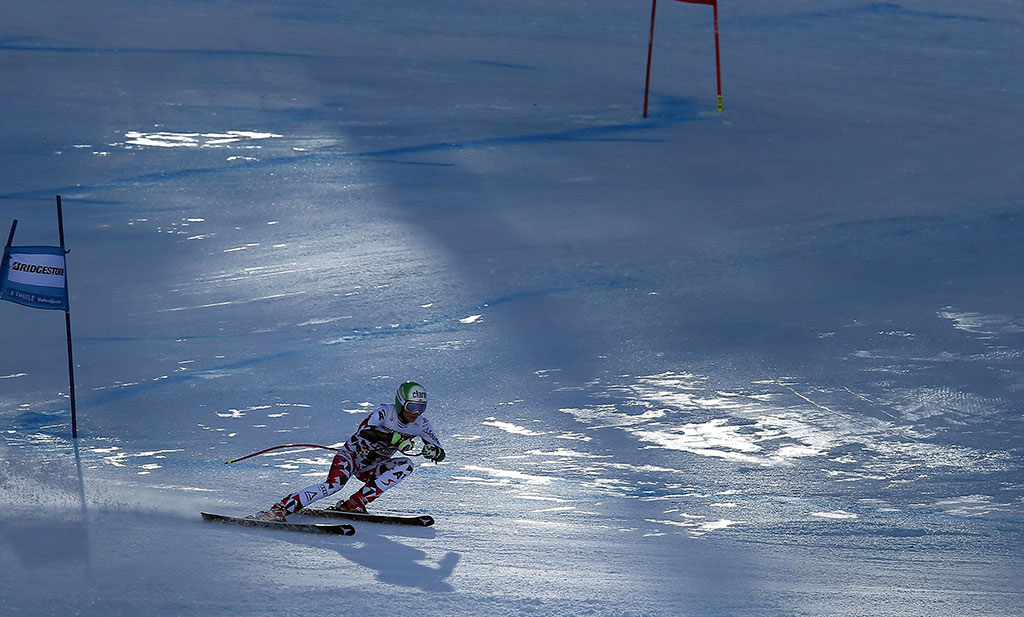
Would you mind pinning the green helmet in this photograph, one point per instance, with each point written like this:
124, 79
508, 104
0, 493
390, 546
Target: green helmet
412, 397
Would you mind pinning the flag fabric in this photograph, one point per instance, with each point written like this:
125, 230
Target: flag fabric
34, 276
707, 2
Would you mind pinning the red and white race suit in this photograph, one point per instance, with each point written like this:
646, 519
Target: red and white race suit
369, 460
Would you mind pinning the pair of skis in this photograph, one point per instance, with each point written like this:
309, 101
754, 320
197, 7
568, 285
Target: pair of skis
323, 528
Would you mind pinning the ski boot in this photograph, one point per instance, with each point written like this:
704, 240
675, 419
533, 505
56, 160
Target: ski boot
276, 513
356, 503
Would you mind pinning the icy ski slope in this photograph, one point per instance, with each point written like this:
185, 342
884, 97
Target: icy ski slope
765, 362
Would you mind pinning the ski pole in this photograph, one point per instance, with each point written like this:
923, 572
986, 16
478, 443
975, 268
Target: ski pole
310, 445
287, 445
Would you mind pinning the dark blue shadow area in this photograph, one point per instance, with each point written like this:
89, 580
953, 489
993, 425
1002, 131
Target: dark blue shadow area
879, 9
596, 134
36, 45
38, 421
666, 112
892, 8
352, 336
508, 65
34, 420
419, 163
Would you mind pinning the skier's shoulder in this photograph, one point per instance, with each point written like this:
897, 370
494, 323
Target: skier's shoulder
424, 423
426, 430
382, 413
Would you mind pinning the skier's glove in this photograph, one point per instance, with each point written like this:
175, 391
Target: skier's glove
402, 443
433, 453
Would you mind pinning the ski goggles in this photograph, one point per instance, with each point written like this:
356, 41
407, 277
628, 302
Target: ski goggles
414, 408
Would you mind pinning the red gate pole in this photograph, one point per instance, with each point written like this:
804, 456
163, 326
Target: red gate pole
650, 49
718, 57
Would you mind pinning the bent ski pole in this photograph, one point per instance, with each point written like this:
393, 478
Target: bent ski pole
310, 445
281, 447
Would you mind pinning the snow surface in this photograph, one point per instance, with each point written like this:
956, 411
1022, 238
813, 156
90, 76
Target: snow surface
762, 362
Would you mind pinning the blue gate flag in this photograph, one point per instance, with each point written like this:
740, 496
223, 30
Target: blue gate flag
34, 276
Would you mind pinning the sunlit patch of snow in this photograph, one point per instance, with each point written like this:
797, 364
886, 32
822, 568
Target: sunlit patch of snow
181, 488
324, 320
508, 427
531, 497
539, 523
169, 139
449, 346
574, 436
717, 437
509, 475
986, 326
972, 505
719, 524
952, 406
774, 422
562, 452
606, 415
463, 437
233, 302
696, 527
322, 461
554, 509
835, 514
159, 453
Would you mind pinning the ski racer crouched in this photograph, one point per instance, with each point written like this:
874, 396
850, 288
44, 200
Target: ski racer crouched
368, 455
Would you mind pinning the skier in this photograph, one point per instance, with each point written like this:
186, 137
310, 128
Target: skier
367, 455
